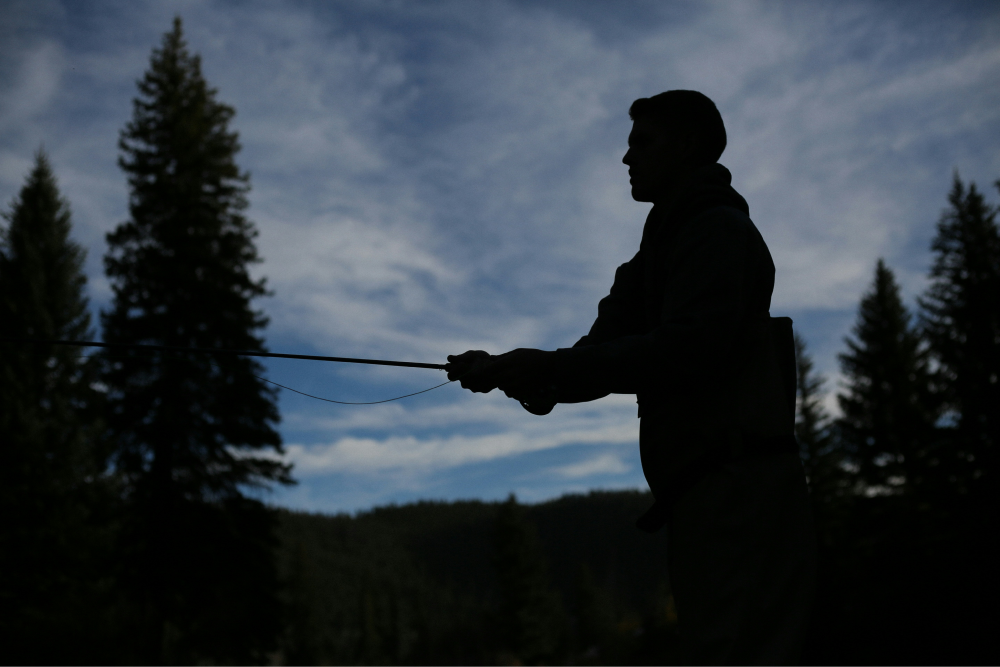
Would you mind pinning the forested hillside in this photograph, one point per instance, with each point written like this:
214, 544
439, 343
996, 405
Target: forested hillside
426, 583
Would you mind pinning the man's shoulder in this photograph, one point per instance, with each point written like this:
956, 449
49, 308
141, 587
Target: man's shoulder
720, 219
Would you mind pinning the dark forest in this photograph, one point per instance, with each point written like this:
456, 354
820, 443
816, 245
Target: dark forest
131, 535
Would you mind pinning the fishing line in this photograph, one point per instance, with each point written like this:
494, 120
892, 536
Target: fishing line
302, 393
330, 400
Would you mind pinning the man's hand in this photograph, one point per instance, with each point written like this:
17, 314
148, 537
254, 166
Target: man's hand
463, 367
536, 402
521, 373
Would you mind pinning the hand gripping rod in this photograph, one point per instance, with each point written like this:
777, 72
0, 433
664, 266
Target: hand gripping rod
245, 353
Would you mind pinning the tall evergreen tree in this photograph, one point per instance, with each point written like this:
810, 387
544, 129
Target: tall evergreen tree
821, 457
51, 460
878, 541
961, 320
832, 489
888, 414
595, 615
190, 433
531, 615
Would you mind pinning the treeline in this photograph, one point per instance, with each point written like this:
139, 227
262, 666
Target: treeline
567, 581
905, 480
129, 535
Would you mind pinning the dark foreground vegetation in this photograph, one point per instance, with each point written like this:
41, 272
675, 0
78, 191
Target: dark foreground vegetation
570, 580
128, 536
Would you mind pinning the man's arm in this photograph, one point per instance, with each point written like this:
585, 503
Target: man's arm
705, 302
703, 308
618, 314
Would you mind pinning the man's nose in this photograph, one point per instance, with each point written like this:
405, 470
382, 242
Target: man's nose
627, 158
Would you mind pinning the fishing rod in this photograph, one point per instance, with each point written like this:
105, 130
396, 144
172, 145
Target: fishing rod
245, 353
251, 353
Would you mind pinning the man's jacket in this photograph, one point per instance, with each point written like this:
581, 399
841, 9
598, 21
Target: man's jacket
686, 328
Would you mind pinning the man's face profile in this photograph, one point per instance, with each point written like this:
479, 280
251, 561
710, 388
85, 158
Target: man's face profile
655, 158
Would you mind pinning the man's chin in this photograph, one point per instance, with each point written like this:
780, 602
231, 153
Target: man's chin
641, 195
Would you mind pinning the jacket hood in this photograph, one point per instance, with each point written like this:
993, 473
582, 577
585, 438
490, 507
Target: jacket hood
707, 187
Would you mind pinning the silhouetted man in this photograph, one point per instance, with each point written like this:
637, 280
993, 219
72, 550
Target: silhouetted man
686, 328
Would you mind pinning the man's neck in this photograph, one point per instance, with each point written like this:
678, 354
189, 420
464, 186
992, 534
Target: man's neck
670, 194
675, 188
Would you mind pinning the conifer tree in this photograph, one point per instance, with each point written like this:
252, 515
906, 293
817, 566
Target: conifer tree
595, 616
190, 433
822, 458
48, 434
888, 416
961, 319
831, 491
531, 612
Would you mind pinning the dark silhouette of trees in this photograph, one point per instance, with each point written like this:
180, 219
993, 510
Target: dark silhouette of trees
379, 589
596, 617
832, 489
190, 434
530, 618
888, 413
420, 584
917, 530
302, 641
874, 541
961, 320
50, 481
821, 456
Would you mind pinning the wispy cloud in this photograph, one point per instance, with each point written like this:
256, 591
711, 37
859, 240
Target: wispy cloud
419, 455
457, 434
430, 178
600, 465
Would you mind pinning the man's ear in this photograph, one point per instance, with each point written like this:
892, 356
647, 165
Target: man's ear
688, 145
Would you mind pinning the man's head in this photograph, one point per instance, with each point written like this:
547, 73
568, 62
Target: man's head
673, 133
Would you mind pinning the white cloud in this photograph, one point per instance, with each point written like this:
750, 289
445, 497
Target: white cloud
472, 429
462, 411
412, 454
35, 84
606, 464
451, 179
35, 76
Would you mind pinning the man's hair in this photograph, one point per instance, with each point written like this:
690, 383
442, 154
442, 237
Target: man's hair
686, 111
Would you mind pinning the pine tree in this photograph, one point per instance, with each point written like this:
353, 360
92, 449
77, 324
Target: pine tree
190, 433
888, 413
876, 545
832, 490
961, 319
52, 461
531, 612
595, 617
820, 456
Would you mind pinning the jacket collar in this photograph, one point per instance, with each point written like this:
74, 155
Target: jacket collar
705, 187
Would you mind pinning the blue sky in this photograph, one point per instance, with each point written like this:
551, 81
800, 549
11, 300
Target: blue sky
430, 177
